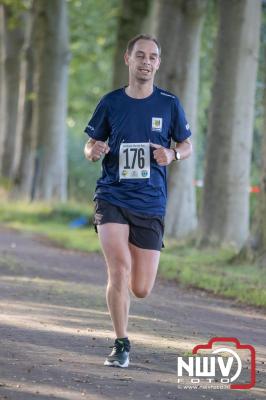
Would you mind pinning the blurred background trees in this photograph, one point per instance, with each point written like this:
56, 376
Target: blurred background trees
225, 211
213, 59
12, 27
179, 26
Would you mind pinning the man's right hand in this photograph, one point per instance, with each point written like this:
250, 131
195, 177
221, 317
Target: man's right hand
94, 149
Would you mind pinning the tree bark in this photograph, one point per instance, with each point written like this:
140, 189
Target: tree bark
263, 183
1, 75
12, 41
130, 23
225, 212
26, 141
179, 31
51, 56
262, 195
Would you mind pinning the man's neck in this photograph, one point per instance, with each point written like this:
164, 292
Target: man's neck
139, 90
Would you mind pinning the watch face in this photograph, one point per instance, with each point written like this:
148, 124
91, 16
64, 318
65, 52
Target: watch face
177, 155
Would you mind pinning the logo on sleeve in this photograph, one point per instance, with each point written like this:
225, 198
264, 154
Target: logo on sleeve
187, 127
91, 128
156, 124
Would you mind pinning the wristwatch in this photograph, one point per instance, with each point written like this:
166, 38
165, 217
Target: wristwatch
177, 155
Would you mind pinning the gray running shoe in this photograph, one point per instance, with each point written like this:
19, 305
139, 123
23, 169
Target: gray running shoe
119, 356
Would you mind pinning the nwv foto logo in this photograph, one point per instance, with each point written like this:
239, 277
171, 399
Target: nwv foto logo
220, 364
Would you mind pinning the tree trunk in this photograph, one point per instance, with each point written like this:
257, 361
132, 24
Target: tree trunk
51, 57
1, 76
24, 162
225, 213
12, 41
181, 22
262, 195
261, 253
130, 24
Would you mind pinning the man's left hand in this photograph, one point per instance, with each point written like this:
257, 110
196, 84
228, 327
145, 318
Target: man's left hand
162, 155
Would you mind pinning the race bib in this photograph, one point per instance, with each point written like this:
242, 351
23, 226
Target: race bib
134, 161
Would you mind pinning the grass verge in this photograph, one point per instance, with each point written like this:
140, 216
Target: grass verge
212, 270
208, 269
53, 221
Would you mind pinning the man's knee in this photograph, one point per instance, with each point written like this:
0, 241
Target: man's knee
140, 292
119, 276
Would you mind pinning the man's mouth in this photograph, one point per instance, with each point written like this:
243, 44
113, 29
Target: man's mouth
144, 70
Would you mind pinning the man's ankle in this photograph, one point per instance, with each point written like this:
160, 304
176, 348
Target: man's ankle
123, 339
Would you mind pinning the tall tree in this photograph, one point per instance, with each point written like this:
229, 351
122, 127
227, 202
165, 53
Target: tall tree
263, 186
27, 138
11, 43
51, 56
225, 212
130, 23
1, 69
179, 31
262, 197
261, 211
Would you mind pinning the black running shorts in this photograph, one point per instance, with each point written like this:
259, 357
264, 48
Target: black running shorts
145, 231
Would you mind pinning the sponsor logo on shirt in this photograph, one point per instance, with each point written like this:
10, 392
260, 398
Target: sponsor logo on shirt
187, 127
156, 124
144, 173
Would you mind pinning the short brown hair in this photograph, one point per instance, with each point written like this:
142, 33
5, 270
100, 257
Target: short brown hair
143, 36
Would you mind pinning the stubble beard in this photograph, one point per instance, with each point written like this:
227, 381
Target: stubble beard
144, 79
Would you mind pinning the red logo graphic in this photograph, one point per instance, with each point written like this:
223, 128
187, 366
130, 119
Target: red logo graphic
238, 346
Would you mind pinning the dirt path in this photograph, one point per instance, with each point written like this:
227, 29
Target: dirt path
55, 331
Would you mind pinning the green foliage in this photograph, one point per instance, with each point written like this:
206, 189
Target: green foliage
15, 9
92, 28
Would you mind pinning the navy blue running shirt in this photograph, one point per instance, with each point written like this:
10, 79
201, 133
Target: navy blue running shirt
121, 119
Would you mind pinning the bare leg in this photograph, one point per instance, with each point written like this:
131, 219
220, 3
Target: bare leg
114, 242
143, 270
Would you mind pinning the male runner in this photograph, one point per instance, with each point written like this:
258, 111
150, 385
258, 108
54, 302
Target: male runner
132, 129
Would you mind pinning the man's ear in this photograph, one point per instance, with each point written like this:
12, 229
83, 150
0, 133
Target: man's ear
159, 62
126, 57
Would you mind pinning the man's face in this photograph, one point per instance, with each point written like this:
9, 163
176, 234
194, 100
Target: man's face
143, 61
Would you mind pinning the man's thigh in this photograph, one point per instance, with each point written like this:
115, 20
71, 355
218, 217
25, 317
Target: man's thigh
114, 242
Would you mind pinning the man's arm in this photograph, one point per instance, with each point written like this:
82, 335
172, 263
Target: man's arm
165, 156
184, 149
94, 149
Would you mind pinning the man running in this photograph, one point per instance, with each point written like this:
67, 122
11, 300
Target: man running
132, 129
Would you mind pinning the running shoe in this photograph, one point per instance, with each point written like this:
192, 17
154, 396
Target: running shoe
119, 356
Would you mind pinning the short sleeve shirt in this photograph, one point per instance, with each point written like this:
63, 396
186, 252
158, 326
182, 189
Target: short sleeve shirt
124, 122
